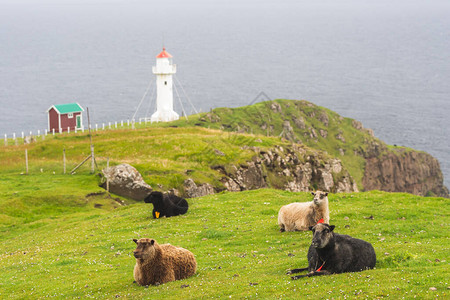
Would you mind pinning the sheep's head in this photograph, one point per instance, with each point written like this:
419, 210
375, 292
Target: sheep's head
145, 249
319, 197
154, 197
322, 235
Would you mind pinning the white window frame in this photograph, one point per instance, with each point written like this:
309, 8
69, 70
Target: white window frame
70, 115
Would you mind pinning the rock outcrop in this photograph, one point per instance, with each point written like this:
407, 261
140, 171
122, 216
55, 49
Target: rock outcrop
404, 171
392, 169
124, 180
291, 168
193, 190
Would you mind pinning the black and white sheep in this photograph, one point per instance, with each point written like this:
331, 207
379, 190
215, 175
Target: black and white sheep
166, 205
332, 253
301, 215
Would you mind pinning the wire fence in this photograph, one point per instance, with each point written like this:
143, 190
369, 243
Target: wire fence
33, 136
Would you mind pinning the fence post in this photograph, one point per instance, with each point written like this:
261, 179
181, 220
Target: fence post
109, 125
115, 124
107, 180
53, 131
6, 140
92, 159
121, 123
68, 129
64, 160
96, 127
39, 133
26, 160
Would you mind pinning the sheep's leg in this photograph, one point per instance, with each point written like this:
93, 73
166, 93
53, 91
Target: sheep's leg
314, 273
296, 271
282, 228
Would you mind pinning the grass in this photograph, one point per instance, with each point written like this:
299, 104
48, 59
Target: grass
318, 128
162, 155
61, 236
165, 157
74, 247
150, 149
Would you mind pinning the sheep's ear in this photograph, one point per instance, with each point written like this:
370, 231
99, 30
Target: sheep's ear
148, 199
311, 228
332, 227
135, 240
152, 242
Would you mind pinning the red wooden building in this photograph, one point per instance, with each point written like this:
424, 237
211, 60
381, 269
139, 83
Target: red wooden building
65, 117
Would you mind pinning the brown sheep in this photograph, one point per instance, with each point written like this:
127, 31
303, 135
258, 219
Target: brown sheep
301, 215
157, 264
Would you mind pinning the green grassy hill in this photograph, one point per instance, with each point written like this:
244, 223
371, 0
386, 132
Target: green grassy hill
371, 163
312, 125
61, 236
168, 153
165, 157
84, 251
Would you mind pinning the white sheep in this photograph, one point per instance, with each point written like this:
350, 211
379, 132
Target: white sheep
301, 215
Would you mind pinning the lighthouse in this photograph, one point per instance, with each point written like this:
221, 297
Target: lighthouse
164, 70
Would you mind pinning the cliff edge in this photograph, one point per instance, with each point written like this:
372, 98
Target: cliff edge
370, 162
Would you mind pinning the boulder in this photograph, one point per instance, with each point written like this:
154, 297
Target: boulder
323, 117
29, 139
275, 107
192, 190
299, 122
125, 180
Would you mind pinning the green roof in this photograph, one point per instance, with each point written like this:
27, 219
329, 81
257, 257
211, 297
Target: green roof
68, 108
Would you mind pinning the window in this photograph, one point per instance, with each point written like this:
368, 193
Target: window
70, 115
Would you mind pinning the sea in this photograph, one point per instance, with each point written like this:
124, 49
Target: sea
385, 63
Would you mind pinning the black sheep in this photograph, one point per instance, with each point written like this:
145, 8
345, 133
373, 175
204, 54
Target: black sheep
332, 253
166, 205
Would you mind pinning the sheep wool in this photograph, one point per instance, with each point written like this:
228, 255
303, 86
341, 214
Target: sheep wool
157, 264
299, 216
333, 253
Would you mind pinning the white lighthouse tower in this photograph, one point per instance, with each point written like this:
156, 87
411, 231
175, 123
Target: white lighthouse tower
164, 70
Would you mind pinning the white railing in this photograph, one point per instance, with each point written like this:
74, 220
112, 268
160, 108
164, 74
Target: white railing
25, 138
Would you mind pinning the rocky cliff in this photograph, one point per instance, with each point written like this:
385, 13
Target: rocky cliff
291, 168
402, 170
294, 168
369, 161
